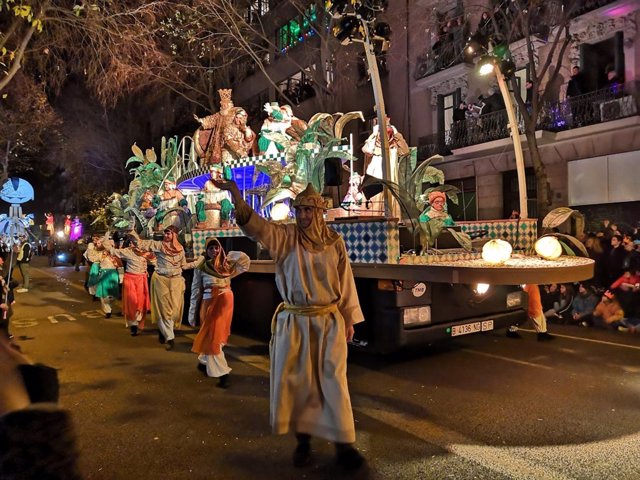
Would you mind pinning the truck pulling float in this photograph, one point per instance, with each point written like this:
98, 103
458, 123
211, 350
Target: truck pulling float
420, 277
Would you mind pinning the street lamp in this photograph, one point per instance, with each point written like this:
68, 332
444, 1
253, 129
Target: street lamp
490, 63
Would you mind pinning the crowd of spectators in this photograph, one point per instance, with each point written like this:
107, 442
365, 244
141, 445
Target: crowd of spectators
612, 298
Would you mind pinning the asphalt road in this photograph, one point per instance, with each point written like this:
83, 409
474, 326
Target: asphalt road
485, 407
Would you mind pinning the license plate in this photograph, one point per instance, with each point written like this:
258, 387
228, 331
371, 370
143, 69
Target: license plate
474, 327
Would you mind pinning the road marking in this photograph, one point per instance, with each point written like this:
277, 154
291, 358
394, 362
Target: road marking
24, 322
592, 340
52, 318
507, 359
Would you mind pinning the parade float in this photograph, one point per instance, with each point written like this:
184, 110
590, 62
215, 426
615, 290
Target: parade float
420, 276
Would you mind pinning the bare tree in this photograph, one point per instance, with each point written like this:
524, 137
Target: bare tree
29, 128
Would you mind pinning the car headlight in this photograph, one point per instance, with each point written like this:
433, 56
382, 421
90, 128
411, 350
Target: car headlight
416, 316
514, 299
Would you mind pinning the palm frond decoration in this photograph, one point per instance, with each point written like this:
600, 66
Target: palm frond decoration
560, 215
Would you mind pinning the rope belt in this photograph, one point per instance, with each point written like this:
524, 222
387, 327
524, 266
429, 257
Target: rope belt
305, 310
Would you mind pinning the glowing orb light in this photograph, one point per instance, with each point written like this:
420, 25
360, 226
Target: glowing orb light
279, 212
548, 247
60, 234
496, 251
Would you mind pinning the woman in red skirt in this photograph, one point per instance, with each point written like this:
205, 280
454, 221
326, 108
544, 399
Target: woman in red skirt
211, 288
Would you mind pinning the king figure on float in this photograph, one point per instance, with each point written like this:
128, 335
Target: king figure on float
373, 159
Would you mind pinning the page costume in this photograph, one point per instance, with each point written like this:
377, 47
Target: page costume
167, 283
309, 392
211, 287
135, 293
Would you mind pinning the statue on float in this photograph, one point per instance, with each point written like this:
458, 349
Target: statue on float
239, 139
76, 229
169, 207
224, 135
213, 207
372, 150
273, 123
50, 223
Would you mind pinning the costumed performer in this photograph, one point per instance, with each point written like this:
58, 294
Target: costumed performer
437, 209
311, 328
167, 282
212, 284
92, 256
107, 280
135, 293
67, 225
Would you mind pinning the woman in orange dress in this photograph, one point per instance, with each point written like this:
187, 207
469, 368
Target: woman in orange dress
211, 288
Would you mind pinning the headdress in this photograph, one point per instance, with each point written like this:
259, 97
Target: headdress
317, 236
219, 266
309, 198
173, 247
434, 195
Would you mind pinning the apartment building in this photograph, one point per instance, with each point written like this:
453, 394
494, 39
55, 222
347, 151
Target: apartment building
589, 145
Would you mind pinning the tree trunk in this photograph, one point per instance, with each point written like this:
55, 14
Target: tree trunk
543, 189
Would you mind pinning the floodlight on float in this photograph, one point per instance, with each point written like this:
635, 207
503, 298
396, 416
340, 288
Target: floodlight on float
60, 234
280, 212
496, 251
481, 288
486, 65
548, 248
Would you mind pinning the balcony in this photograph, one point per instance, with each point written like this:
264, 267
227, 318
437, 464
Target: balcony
593, 108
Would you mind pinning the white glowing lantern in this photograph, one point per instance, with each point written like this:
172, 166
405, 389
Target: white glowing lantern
279, 212
548, 247
496, 251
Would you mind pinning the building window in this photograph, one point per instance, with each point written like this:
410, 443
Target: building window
297, 30
448, 104
297, 88
256, 9
511, 193
255, 106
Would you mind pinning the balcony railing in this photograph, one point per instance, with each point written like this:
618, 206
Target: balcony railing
597, 107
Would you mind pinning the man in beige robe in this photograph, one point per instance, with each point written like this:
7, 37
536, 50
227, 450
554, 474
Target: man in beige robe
311, 328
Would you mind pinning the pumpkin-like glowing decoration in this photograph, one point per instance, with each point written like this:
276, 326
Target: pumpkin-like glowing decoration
548, 247
496, 251
279, 212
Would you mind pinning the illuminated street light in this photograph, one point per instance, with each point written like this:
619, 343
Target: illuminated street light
486, 65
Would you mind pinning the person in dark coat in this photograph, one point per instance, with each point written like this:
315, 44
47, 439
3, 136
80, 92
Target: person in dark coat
36, 437
615, 259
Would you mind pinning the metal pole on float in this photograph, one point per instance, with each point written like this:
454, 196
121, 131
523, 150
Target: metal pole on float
517, 144
378, 96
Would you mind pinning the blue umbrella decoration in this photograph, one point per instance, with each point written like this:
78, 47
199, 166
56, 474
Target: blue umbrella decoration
15, 191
